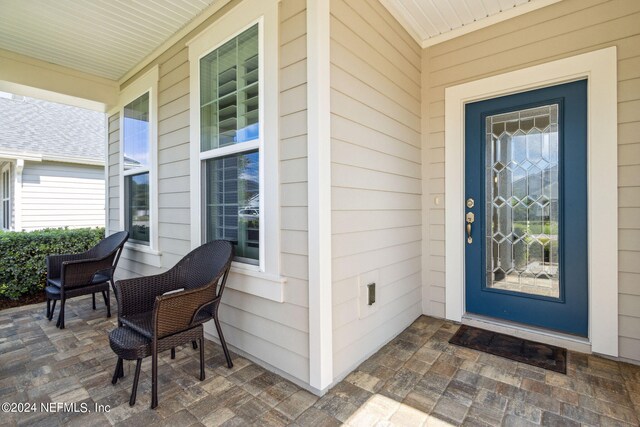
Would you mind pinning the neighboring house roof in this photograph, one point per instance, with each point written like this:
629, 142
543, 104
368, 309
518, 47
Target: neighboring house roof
34, 128
129, 162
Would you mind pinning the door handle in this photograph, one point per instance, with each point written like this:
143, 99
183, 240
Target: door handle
470, 218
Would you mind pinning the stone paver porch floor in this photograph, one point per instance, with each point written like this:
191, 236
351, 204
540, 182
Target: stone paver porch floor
416, 379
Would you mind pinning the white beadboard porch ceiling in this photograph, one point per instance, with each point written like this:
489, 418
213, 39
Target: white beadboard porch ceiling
106, 38
433, 21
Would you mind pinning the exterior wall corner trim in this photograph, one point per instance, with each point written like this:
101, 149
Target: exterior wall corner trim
319, 170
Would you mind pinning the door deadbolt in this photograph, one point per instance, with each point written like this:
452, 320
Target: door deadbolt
470, 203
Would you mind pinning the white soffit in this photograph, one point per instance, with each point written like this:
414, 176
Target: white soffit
433, 21
106, 38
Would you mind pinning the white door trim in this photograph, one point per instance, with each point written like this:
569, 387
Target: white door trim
599, 67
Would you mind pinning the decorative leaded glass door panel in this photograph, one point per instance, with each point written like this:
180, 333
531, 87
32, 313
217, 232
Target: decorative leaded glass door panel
526, 250
521, 221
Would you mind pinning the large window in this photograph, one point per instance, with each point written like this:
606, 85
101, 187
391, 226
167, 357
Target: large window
230, 143
136, 161
6, 199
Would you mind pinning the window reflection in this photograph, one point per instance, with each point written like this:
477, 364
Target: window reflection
233, 202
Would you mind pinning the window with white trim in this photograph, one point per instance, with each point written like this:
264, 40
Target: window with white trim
234, 164
230, 146
6, 199
136, 160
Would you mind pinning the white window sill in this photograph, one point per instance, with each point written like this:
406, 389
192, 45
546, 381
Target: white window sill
142, 254
255, 282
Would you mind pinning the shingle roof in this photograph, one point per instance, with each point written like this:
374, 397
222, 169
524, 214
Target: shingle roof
33, 126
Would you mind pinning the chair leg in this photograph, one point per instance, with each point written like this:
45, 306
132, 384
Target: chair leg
134, 389
48, 307
194, 345
113, 287
62, 313
93, 295
60, 323
201, 359
224, 344
121, 371
173, 352
107, 301
53, 309
154, 376
116, 373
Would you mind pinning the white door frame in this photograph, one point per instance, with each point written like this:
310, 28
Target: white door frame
599, 67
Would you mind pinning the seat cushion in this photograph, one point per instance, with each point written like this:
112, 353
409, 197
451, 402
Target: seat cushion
55, 282
98, 278
141, 323
52, 292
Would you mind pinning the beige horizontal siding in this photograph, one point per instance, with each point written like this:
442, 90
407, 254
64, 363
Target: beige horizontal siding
113, 181
276, 333
384, 326
293, 153
375, 177
62, 195
358, 134
563, 29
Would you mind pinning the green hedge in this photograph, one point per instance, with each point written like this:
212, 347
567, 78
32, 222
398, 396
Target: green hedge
23, 254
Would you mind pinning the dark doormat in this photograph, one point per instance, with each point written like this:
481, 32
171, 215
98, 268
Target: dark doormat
532, 353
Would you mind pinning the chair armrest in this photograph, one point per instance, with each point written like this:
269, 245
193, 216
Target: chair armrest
54, 263
138, 295
176, 312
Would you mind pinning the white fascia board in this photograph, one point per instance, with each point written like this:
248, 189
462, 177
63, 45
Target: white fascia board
15, 155
72, 159
38, 157
23, 75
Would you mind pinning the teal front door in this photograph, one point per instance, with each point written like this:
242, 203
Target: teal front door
526, 208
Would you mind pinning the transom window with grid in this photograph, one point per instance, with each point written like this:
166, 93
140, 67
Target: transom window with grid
230, 143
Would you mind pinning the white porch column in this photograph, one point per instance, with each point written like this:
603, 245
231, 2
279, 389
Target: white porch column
319, 194
17, 196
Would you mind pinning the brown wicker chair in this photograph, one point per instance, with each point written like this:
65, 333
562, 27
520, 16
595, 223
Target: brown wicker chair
86, 273
160, 312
